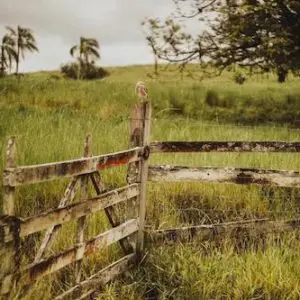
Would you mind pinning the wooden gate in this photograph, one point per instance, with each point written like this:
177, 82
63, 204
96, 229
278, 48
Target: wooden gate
82, 172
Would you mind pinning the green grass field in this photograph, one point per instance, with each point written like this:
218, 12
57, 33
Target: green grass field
50, 117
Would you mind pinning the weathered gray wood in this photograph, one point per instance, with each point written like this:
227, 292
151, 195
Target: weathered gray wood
68, 197
10, 162
113, 218
65, 214
136, 140
45, 172
98, 280
10, 255
225, 175
83, 196
234, 146
143, 178
211, 231
61, 260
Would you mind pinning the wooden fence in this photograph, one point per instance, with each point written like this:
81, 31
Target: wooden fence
129, 234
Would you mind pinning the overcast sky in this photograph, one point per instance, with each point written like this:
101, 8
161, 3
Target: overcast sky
58, 24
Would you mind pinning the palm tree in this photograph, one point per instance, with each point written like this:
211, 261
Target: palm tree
8, 53
24, 40
87, 48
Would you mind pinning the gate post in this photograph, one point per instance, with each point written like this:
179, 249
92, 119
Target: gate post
138, 172
146, 117
9, 255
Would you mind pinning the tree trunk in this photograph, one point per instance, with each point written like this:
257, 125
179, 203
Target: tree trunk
79, 66
18, 59
281, 75
2, 67
155, 65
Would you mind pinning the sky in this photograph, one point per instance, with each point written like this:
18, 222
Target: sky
58, 25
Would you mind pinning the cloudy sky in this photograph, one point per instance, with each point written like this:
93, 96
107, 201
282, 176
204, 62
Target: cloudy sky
58, 24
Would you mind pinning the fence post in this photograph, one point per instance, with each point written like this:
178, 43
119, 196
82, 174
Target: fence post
83, 196
10, 254
10, 162
143, 173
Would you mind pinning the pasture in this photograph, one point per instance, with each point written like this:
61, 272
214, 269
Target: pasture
50, 117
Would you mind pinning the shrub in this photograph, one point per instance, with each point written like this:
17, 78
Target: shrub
212, 98
87, 71
239, 78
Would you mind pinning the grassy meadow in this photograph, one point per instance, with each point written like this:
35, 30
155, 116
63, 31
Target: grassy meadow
50, 117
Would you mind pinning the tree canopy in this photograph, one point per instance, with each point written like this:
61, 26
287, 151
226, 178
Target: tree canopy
262, 35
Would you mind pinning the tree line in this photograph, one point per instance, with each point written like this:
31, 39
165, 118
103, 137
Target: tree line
17, 41
258, 35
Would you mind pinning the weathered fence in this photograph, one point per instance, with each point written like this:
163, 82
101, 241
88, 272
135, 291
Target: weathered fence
82, 171
129, 234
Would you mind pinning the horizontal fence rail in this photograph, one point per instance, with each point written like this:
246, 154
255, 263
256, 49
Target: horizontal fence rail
65, 214
101, 278
214, 146
225, 175
74, 254
207, 232
46, 172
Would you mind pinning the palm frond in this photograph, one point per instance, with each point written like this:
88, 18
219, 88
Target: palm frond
11, 30
32, 47
93, 52
73, 50
92, 43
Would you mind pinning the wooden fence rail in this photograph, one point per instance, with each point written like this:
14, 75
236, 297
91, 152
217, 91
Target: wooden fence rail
277, 178
45, 172
231, 146
74, 254
65, 214
210, 231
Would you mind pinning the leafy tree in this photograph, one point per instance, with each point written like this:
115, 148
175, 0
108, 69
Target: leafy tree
8, 53
258, 34
87, 49
24, 40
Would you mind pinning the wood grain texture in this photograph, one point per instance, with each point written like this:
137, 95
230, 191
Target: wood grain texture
277, 178
232, 146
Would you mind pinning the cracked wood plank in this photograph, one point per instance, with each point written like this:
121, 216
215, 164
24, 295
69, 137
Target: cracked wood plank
65, 214
65, 258
277, 178
232, 146
98, 280
45, 172
211, 231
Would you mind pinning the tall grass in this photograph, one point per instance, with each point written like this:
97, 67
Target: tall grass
50, 117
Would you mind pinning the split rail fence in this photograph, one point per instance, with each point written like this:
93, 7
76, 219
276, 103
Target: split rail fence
129, 234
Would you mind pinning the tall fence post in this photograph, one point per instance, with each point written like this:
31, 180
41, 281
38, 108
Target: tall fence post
10, 254
143, 174
83, 196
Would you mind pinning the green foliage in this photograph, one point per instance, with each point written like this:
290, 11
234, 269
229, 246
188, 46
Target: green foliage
239, 78
212, 98
86, 52
24, 41
87, 71
256, 34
